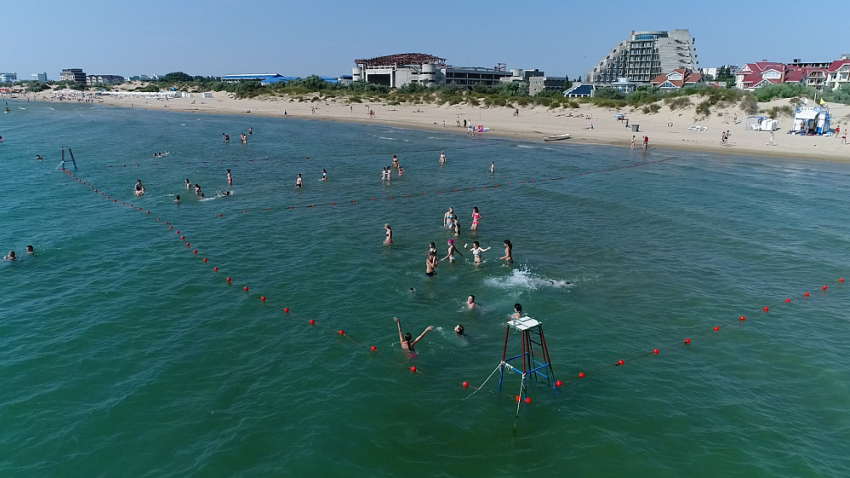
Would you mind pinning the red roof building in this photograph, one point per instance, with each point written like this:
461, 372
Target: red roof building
763, 73
678, 78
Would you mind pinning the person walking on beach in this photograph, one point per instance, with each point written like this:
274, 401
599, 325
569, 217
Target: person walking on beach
475, 218
508, 258
770, 141
389, 239
407, 341
431, 264
452, 251
476, 251
229, 179
299, 182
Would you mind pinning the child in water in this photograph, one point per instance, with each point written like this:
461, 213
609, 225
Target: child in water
476, 251
407, 341
11, 257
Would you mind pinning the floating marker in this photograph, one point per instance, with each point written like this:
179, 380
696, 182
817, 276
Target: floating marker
465, 384
716, 328
787, 300
263, 298
687, 341
841, 280
824, 287
374, 349
559, 383
182, 237
215, 269
806, 294
228, 279
312, 322
655, 351
195, 251
744, 318
581, 375
527, 400
205, 259
341, 332
621, 362
286, 310
767, 309
246, 288
188, 244
517, 398
413, 369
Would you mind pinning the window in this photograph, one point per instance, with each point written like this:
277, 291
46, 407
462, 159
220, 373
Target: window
771, 75
674, 76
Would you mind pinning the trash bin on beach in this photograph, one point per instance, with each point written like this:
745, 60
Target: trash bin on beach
635, 128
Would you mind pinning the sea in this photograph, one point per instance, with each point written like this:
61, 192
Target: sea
252, 334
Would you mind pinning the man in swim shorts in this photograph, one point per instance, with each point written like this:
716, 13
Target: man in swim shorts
431, 264
406, 342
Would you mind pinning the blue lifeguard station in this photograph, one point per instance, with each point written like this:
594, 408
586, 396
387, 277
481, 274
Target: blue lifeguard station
534, 356
71, 153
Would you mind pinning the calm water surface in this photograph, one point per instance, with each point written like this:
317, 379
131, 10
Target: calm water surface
123, 354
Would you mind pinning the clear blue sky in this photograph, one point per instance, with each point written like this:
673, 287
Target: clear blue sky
299, 38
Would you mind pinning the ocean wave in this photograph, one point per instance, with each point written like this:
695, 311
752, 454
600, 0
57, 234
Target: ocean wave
523, 279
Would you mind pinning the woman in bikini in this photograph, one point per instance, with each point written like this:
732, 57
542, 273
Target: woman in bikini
508, 258
476, 251
448, 218
475, 218
452, 250
389, 239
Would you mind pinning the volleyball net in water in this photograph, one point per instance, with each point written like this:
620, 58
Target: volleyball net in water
574, 378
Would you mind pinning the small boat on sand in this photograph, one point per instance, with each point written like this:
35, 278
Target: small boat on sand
559, 137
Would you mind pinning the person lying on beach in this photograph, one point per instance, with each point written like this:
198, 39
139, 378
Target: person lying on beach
476, 251
406, 342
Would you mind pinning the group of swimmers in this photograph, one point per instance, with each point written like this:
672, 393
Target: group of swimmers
159, 155
387, 173
13, 257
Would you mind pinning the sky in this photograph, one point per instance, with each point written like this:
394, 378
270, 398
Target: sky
300, 38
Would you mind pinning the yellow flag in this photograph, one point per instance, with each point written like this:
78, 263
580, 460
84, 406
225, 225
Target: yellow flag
822, 102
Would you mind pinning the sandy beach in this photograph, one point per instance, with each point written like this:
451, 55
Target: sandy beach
674, 129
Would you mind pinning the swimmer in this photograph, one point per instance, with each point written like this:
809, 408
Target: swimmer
401, 171
517, 311
476, 251
432, 248
177, 199
139, 189
30, 250
197, 189
459, 329
389, 239
383, 174
202, 195
188, 185
508, 258
442, 157
406, 340
229, 178
395, 161
452, 250
448, 218
10, 257
250, 131
475, 218
431, 264
324, 175
38, 157
470, 302
456, 226
492, 166
299, 182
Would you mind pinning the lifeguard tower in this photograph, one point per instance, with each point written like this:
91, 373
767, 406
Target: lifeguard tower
534, 356
71, 153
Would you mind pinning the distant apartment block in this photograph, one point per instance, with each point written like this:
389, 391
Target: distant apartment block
75, 75
536, 84
644, 56
42, 77
8, 77
94, 80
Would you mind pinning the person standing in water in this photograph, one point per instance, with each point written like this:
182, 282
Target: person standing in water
395, 161
456, 226
448, 218
389, 239
431, 264
250, 131
452, 250
324, 175
470, 302
30, 249
407, 341
188, 185
229, 179
508, 258
177, 199
299, 182
10, 257
475, 218
432, 248
442, 157
476, 251
492, 166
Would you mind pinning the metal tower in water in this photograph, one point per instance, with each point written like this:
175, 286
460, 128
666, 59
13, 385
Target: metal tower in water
534, 356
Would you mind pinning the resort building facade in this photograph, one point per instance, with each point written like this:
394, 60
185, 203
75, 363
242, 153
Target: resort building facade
676, 79
821, 76
644, 56
76, 75
42, 77
94, 80
8, 77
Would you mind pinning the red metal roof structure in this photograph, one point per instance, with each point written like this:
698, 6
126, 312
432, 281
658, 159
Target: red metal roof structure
400, 60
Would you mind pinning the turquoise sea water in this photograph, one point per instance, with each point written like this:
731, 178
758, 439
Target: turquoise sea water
123, 354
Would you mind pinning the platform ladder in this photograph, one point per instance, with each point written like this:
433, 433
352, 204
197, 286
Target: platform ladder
534, 356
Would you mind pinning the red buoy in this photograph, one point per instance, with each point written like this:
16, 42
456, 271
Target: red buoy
188, 244
806, 294
263, 298
286, 310
465, 384
716, 328
620, 362
824, 287
527, 400
687, 341
341, 332
215, 269
743, 318
787, 300
655, 351
195, 251
841, 280
767, 309
205, 259
219, 215
581, 375
312, 322
182, 237
228, 279
413, 369
246, 288
374, 349
171, 227
517, 398
559, 383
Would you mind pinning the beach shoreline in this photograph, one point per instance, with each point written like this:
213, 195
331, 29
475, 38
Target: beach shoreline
667, 129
